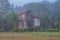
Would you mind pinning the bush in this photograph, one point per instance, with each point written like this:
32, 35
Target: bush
25, 30
15, 30
41, 30
48, 30
1, 30
59, 30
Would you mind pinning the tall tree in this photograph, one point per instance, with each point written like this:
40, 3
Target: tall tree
4, 7
12, 20
56, 8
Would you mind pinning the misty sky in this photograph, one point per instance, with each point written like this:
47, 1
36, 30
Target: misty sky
22, 2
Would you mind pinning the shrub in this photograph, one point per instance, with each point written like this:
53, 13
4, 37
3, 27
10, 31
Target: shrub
1, 30
15, 30
48, 30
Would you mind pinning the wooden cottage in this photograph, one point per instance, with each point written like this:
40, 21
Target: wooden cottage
27, 21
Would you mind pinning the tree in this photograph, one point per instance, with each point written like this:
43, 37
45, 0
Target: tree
47, 21
4, 7
12, 19
57, 23
56, 8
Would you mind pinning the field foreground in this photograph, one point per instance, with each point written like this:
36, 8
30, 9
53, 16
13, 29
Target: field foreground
30, 36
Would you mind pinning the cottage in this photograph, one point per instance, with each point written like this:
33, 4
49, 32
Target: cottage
28, 21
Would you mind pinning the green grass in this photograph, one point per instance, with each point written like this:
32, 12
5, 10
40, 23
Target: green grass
30, 36
43, 34
51, 34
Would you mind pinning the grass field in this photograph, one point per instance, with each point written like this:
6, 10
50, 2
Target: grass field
30, 36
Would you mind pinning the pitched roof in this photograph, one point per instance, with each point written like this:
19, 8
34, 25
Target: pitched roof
28, 11
24, 12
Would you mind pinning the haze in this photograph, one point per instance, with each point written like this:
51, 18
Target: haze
22, 2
